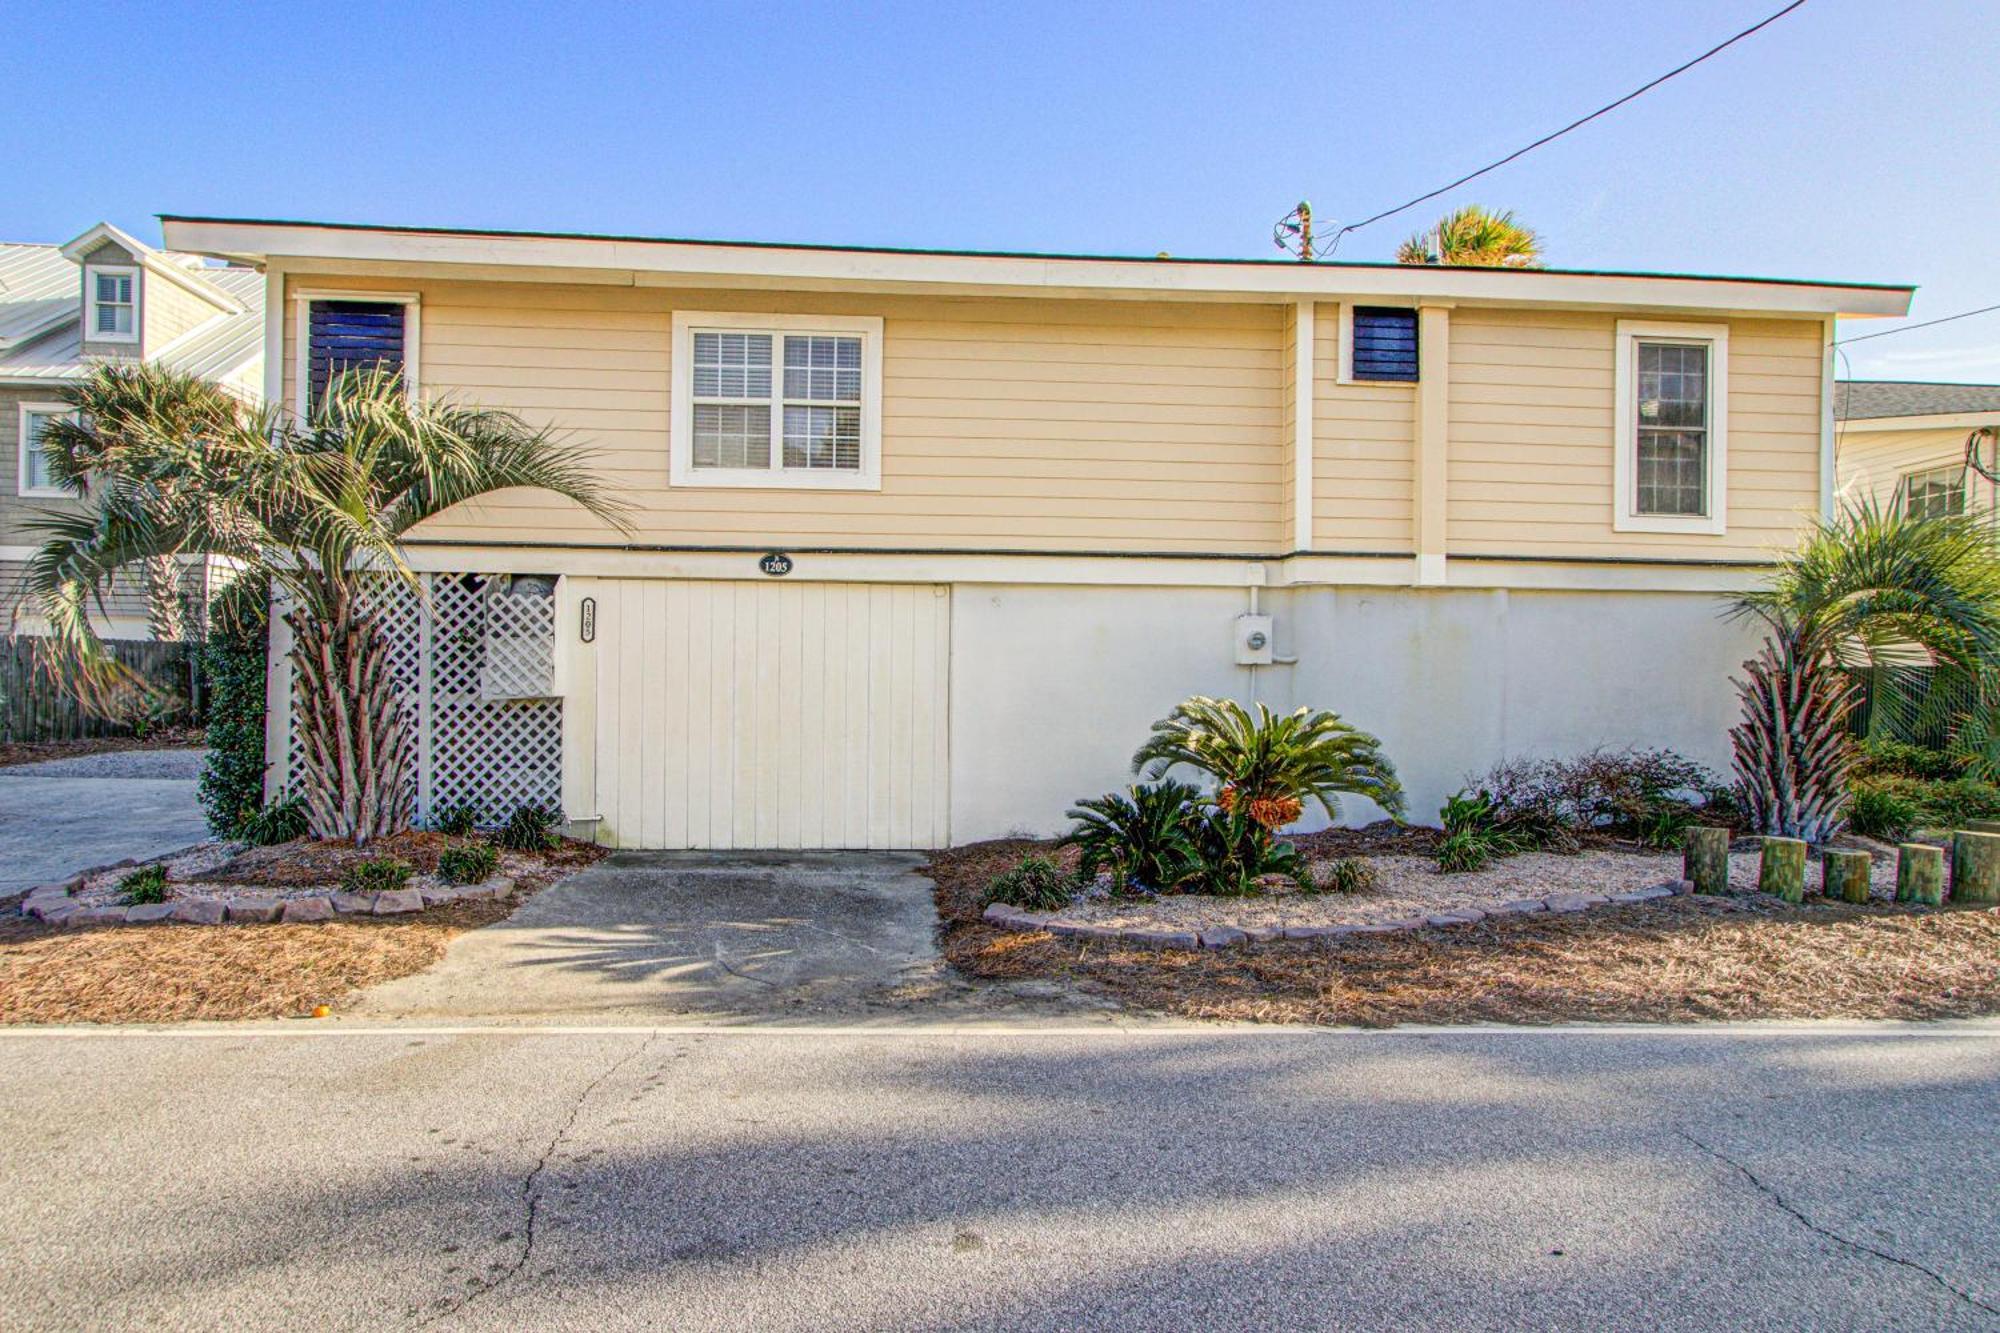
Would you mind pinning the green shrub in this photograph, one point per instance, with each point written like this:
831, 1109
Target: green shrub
233, 659
1271, 764
1038, 884
280, 821
1643, 794
376, 875
1475, 832
1951, 804
1237, 850
467, 865
1901, 760
147, 884
1144, 836
531, 828
459, 819
1463, 851
1350, 874
1877, 812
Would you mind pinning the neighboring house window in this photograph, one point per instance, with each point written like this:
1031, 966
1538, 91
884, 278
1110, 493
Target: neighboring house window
1671, 437
33, 478
339, 332
776, 400
114, 311
1934, 493
1383, 344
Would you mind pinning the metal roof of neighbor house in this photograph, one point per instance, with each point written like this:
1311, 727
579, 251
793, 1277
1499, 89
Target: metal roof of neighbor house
1866, 400
41, 316
256, 240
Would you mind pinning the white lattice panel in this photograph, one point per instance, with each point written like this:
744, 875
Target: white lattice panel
493, 754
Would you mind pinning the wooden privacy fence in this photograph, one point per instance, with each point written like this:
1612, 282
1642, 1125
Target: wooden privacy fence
33, 709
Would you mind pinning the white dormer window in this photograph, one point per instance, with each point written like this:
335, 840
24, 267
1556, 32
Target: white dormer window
113, 314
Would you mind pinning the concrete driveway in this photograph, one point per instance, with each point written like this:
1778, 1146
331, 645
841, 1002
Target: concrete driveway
749, 937
306, 1176
65, 815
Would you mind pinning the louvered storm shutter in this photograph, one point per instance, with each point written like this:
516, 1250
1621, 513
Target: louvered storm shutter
1385, 343
348, 335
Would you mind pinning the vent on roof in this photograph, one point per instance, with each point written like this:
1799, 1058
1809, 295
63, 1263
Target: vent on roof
1385, 343
352, 335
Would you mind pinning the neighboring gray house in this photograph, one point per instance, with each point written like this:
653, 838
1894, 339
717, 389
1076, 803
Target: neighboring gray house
106, 296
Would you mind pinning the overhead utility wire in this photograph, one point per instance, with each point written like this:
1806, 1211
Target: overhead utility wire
1964, 314
1334, 244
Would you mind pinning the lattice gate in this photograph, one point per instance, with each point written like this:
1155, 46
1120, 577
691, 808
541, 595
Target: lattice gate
474, 660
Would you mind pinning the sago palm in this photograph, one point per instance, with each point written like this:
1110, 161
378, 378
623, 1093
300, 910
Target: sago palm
1474, 237
1269, 765
322, 504
1870, 588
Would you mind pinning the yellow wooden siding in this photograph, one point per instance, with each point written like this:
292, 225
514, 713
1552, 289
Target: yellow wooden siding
1531, 437
1363, 453
168, 312
1873, 463
1012, 424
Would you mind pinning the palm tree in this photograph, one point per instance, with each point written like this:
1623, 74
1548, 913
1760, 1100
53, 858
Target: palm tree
1868, 588
321, 504
1474, 237
1268, 766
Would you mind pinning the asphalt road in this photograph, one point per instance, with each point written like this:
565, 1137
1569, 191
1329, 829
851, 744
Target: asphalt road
1144, 1178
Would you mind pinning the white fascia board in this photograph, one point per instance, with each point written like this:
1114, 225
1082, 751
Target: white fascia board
1939, 421
683, 262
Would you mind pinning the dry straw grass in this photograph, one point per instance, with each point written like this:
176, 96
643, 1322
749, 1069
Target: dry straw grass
1677, 960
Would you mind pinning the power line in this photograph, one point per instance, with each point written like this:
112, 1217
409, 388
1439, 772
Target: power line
1608, 107
1966, 314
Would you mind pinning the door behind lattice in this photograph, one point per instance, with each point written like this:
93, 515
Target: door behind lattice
490, 754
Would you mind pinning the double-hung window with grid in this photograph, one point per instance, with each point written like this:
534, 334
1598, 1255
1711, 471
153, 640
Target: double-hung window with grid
1672, 415
776, 405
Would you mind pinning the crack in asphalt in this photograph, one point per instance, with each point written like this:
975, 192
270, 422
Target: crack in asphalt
1860, 1247
531, 1200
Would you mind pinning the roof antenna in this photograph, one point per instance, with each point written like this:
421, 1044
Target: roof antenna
1293, 232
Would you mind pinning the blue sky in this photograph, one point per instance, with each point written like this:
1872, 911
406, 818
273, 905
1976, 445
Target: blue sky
1852, 139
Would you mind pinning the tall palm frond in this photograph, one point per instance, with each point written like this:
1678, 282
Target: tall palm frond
1476, 237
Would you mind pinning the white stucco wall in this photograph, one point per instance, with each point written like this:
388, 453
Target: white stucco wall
1053, 688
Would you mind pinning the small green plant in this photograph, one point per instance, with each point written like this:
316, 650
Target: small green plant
1350, 874
1464, 851
1237, 851
1902, 760
378, 874
1474, 834
281, 821
1876, 812
1143, 836
531, 828
147, 884
467, 865
459, 819
1037, 884
1664, 826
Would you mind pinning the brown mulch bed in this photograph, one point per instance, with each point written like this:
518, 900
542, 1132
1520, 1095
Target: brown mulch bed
1674, 961
303, 863
175, 973
33, 752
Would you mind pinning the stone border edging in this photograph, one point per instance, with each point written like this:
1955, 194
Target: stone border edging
56, 904
1008, 917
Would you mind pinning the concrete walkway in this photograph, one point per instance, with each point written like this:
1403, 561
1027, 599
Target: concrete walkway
741, 937
65, 815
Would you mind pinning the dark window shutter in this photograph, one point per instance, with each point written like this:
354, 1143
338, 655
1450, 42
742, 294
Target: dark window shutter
347, 335
1385, 343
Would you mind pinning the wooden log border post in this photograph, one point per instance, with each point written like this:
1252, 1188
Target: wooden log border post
1705, 858
1844, 875
1975, 867
1782, 870
1919, 874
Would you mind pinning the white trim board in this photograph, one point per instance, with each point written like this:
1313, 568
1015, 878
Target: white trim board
256, 242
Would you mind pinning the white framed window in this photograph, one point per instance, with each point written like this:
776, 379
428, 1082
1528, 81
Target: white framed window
1934, 492
776, 401
33, 478
1672, 436
111, 297
334, 331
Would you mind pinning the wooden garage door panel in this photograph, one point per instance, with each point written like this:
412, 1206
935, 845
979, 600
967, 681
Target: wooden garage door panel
772, 715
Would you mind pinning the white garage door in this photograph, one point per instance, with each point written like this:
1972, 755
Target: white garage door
772, 715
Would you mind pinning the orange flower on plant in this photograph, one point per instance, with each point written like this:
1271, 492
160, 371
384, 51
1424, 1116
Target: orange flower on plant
1274, 812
